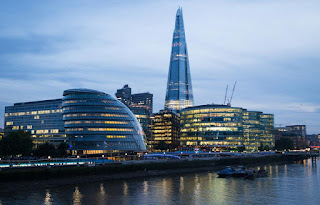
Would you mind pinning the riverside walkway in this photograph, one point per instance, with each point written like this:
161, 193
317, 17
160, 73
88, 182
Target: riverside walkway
147, 158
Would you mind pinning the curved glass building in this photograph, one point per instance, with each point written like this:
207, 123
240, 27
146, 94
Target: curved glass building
97, 123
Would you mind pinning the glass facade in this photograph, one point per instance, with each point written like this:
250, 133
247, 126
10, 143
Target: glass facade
211, 127
165, 129
95, 123
43, 119
140, 104
252, 129
179, 88
268, 136
221, 127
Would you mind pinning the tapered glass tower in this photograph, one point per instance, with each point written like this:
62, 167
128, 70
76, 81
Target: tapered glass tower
179, 89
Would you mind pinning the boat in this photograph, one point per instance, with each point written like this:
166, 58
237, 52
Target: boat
227, 172
241, 172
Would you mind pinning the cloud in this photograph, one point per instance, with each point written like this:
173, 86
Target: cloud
270, 47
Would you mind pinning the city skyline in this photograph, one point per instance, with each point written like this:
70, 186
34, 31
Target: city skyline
270, 48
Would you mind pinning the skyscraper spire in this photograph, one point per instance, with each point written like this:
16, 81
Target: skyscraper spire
179, 88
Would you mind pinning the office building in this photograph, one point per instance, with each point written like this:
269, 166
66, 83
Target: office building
225, 128
141, 105
97, 123
296, 133
124, 95
313, 140
165, 129
179, 88
252, 129
143, 100
299, 129
43, 119
211, 127
267, 138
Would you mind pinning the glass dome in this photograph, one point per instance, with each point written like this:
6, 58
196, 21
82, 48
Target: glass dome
95, 122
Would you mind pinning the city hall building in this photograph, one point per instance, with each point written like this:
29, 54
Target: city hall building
97, 123
92, 122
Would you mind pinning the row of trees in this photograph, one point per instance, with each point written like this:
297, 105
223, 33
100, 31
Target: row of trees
20, 143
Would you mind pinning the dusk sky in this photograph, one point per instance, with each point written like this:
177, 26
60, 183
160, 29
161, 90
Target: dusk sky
271, 48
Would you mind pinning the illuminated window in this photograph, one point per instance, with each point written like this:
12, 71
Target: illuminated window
9, 123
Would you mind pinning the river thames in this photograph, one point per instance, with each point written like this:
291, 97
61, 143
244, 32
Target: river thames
297, 183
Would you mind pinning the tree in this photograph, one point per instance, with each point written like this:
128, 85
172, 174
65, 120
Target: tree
241, 149
62, 150
162, 145
16, 143
284, 143
267, 148
45, 150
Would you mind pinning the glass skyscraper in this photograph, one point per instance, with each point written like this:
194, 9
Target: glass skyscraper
179, 89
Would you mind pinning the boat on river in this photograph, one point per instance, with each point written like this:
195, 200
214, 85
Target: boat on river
241, 172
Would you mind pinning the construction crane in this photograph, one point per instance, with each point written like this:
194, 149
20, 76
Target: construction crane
225, 96
234, 87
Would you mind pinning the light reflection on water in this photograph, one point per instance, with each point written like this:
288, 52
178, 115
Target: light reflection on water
286, 184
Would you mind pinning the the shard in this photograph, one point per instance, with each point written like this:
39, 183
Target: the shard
179, 88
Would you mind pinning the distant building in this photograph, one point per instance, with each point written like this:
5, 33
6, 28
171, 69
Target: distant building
97, 123
165, 129
143, 116
179, 87
299, 129
141, 104
144, 100
296, 133
313, 140
43, 119
124, 95
221, 127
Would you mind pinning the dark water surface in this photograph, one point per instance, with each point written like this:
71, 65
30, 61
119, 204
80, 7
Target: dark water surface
286, 184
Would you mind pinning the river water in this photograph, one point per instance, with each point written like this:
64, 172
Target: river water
297, 183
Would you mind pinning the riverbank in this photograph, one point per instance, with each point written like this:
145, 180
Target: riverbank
15, 179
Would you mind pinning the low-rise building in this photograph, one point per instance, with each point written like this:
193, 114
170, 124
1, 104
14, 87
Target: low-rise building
43, 119
313, 140
222, 127
296, 133
211, 127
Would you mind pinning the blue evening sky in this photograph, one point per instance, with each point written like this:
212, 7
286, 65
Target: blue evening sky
270, 47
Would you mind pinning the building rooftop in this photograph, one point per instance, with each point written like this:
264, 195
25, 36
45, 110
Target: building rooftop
32, 102
82, 90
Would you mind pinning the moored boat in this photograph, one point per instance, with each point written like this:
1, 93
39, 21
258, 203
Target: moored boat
227, 172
